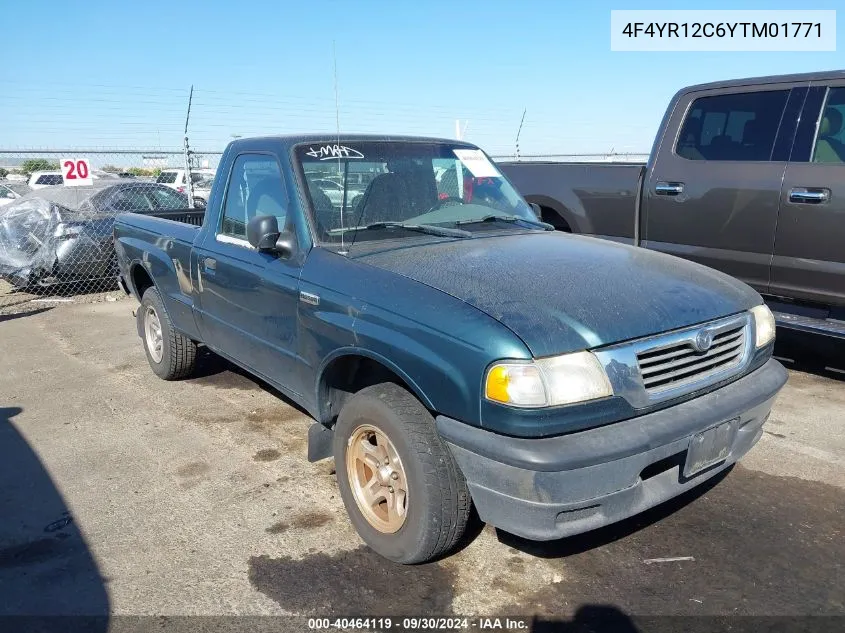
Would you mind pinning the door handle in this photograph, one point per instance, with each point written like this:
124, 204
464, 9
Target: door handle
803, 195
669, 188
209, 264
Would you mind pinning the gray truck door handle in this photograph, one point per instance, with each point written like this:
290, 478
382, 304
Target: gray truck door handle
210, 264
669, 188
803, 195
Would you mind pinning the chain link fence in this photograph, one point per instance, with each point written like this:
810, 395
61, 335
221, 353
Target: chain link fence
56, 243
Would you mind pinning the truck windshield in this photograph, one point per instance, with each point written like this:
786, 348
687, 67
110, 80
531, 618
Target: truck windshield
362, 190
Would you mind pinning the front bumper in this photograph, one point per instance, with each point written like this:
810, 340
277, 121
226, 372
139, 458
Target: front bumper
549, 488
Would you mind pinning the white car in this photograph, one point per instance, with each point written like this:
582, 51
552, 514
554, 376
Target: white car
334, 191
41, 179
202, 189
175, 178
10, 191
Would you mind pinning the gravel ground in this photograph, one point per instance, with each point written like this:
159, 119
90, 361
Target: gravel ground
126, 495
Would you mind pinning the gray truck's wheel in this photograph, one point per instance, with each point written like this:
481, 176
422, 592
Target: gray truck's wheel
400, 484
170, 354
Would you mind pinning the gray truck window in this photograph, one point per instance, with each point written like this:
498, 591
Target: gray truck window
740, 126
830, 137
255, 188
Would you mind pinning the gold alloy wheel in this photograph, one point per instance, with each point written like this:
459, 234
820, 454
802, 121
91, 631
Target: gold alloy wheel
377, 478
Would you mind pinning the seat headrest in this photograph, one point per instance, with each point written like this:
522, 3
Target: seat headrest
268, 193
831, 123
752, 131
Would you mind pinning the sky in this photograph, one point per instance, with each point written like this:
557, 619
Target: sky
117, 74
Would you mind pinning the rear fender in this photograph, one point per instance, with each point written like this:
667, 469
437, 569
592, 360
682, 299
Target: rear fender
169, 278
575, 217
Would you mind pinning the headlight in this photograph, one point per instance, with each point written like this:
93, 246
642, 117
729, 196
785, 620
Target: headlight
764, 325
548, 382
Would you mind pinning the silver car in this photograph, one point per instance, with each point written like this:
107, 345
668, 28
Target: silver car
11, 191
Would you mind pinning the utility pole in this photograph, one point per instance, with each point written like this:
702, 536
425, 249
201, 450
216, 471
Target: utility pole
189, 183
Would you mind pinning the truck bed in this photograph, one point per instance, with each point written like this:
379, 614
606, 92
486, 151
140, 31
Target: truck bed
164, 245
182, 225
589, 198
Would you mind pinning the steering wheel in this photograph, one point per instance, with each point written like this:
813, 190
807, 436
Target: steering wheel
444, 202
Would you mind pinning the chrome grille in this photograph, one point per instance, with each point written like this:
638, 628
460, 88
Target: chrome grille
681, 363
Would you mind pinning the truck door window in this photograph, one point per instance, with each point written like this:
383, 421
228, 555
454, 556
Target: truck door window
740, 126
256, 187
830, 134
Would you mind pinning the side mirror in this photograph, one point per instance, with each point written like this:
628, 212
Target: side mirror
263, 233
537, 211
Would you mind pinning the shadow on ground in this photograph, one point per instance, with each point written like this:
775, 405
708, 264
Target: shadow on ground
746, 544
47, 571
602, 537
23, 313
591, 618
216, 371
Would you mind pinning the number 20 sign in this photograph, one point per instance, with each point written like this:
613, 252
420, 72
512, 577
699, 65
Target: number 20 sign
76, 172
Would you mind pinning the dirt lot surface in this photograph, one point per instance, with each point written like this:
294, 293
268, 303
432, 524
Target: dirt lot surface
124, 494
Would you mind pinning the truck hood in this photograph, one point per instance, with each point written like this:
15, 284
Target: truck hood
561, 293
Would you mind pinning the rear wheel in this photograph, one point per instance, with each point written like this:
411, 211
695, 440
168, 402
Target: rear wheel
400, 484
170, 354
550, 216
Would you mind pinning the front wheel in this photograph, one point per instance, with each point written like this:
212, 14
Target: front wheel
170, 354
400, 484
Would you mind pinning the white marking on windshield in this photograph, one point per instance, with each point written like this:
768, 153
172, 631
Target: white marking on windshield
477, 163
328, 152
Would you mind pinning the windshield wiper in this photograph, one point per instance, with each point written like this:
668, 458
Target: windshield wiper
428, 229
510, 219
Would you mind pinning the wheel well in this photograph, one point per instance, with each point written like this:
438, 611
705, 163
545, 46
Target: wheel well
347, 375
554, 218
141, 280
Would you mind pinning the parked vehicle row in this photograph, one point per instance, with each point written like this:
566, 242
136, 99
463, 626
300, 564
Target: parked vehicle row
63, 234
746, 176
453, 350
41, 179
177, 180
10, 191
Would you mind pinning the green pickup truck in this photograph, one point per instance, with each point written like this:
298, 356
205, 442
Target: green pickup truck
453, 350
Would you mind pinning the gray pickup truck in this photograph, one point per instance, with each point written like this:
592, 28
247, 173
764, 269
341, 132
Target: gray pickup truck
745, 176
454, 351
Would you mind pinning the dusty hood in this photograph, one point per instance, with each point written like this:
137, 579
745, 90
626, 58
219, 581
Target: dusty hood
561, 293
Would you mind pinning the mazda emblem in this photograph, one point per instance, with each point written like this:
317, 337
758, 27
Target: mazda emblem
703, 340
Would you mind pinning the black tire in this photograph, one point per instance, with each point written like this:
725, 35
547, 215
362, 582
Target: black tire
179, 353
439, 502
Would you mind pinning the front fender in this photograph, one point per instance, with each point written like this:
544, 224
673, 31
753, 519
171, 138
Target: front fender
384, 360
443, 366
439, 345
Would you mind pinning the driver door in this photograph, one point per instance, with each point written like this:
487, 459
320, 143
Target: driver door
249, 299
